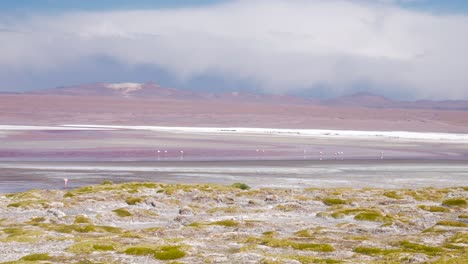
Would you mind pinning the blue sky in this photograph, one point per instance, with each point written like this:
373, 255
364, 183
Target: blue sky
96, 5
409, 49
458, 6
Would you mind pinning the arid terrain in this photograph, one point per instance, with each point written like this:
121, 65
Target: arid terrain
150, 104
161, 223
158, 175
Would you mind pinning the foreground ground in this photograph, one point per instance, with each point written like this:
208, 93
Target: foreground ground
165, 223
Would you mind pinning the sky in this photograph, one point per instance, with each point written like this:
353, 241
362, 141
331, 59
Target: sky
404, 49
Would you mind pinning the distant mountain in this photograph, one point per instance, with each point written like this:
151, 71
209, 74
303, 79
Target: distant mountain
154, 91
150, 103
138, 90
369, 100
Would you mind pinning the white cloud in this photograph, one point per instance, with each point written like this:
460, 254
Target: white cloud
278, 44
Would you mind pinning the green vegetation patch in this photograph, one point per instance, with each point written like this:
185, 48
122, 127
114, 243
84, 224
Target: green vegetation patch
80, 228
89, 246
36, 257
374, 251
161, 253
303, 233
240, 185
333, 201
29, 204
420, 248
82, 219
169, 253
311, 259
285, 243
456, 202
393, 195
461, 237
452, 223
362, 214
434, 209
18, 234
122, 212
133, 200
130, 187
226, 223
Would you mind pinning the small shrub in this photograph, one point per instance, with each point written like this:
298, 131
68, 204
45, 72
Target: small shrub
169, 253
240, 185
368, 250
103, 247
303, 233
434, 209
333, 201
452, 223
421, 248
36, 257
106, 182
122, 212
140, 251
133, 200
226, 223
313, 247
369, 216
393, 195
457, 202
81, 219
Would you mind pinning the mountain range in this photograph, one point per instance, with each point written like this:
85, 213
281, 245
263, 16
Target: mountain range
152, 104
155, 91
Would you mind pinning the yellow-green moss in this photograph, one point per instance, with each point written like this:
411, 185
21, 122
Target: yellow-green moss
461, 237
161, 253
419, 248
393, 195
303, 233
122, 212
240, 185
456, 202
81, 219
80, 228
374, 251
285, 243
434, 209
226, 223
88, 246
29, 204
36, 257
333, 201
169, 253
452, 223
133, 200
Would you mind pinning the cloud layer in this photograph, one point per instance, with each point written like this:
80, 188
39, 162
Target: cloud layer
276, 45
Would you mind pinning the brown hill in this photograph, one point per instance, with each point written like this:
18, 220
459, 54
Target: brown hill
151, 104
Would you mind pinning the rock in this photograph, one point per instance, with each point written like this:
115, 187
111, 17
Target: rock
225, 199
246, 258
184, 220
185, 211
416, 258
271, 198
56, 212
154, 203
